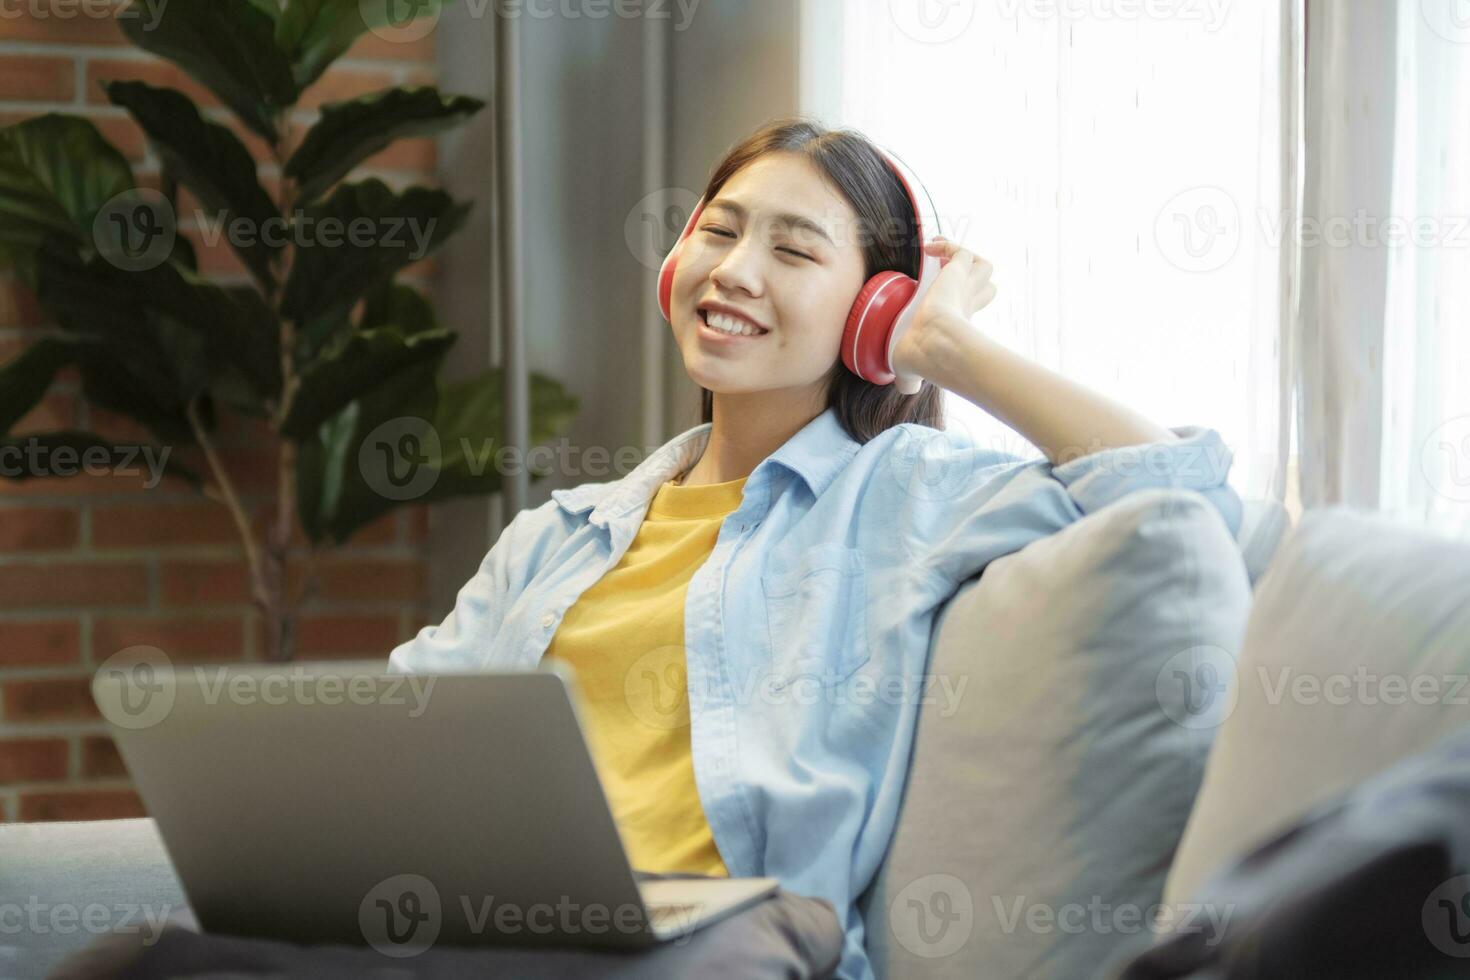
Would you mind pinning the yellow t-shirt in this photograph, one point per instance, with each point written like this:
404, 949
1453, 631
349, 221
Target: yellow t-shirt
624, 640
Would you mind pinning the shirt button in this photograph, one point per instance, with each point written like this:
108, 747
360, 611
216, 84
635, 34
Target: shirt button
547, 621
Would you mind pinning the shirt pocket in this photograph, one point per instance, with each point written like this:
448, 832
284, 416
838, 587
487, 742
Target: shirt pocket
817, 615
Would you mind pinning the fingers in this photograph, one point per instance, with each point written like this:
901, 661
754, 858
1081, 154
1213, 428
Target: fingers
948, 250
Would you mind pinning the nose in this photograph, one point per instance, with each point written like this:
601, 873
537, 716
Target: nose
740, 267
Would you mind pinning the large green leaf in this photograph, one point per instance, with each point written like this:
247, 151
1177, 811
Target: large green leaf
465, 422
334, 494
330, 274
212, 162
363, 360
172, 328
229, 47
315, 33
394, 304
350, 132
56, 173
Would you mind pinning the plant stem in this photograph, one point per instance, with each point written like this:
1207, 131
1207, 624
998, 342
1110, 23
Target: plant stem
231, 500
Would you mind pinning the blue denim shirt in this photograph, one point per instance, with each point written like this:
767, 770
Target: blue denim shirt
808, 627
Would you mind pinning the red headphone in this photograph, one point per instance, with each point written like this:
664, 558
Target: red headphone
885, 305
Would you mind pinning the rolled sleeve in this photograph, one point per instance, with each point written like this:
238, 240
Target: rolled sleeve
1199, 461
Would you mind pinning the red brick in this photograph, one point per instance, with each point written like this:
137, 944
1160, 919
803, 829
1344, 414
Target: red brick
384, 580
395, 46
118, 429
162, 525
346, 636
28, 585
100, 758
37, 528
181, 639
50, 22
39, 643
50, 699
87, 804
382, 531
54, 411
123, 134
194, 583
32, 760
37, 78
18, 305
340, 84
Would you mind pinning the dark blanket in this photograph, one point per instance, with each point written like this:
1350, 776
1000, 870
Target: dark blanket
785, 936
1371, 885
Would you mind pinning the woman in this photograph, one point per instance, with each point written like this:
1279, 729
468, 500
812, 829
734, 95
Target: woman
748, 611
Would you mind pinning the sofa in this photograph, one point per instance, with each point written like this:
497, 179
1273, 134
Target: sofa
1096, 744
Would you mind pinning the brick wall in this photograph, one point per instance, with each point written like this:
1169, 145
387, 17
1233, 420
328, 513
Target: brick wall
92, 564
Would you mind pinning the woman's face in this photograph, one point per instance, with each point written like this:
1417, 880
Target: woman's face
780, 246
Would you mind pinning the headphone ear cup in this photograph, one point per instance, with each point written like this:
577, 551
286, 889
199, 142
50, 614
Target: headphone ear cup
666, 283
870, 322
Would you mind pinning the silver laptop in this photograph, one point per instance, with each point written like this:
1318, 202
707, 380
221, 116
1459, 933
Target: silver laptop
335, 802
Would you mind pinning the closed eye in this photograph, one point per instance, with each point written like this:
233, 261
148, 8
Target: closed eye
729, 234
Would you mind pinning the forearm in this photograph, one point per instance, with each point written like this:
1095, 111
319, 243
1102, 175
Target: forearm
1062, 418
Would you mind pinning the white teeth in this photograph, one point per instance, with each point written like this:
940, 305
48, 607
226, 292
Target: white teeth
730, 324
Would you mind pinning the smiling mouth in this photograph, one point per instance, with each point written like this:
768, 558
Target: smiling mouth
704, 319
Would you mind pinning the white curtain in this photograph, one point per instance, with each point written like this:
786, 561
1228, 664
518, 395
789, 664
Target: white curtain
1121, 165
1384, 379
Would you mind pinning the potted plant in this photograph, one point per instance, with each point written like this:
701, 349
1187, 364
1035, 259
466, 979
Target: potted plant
333, 357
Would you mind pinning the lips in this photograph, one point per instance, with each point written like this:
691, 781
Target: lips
704, 309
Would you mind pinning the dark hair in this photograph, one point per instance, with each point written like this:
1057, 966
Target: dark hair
862, 176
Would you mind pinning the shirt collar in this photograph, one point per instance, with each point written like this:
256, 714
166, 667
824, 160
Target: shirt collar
816, 453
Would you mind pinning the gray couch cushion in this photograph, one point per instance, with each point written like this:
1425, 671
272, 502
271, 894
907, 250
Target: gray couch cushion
1062, 781
1357, 654
65, 884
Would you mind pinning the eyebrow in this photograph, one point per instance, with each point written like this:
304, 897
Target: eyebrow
793, 220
